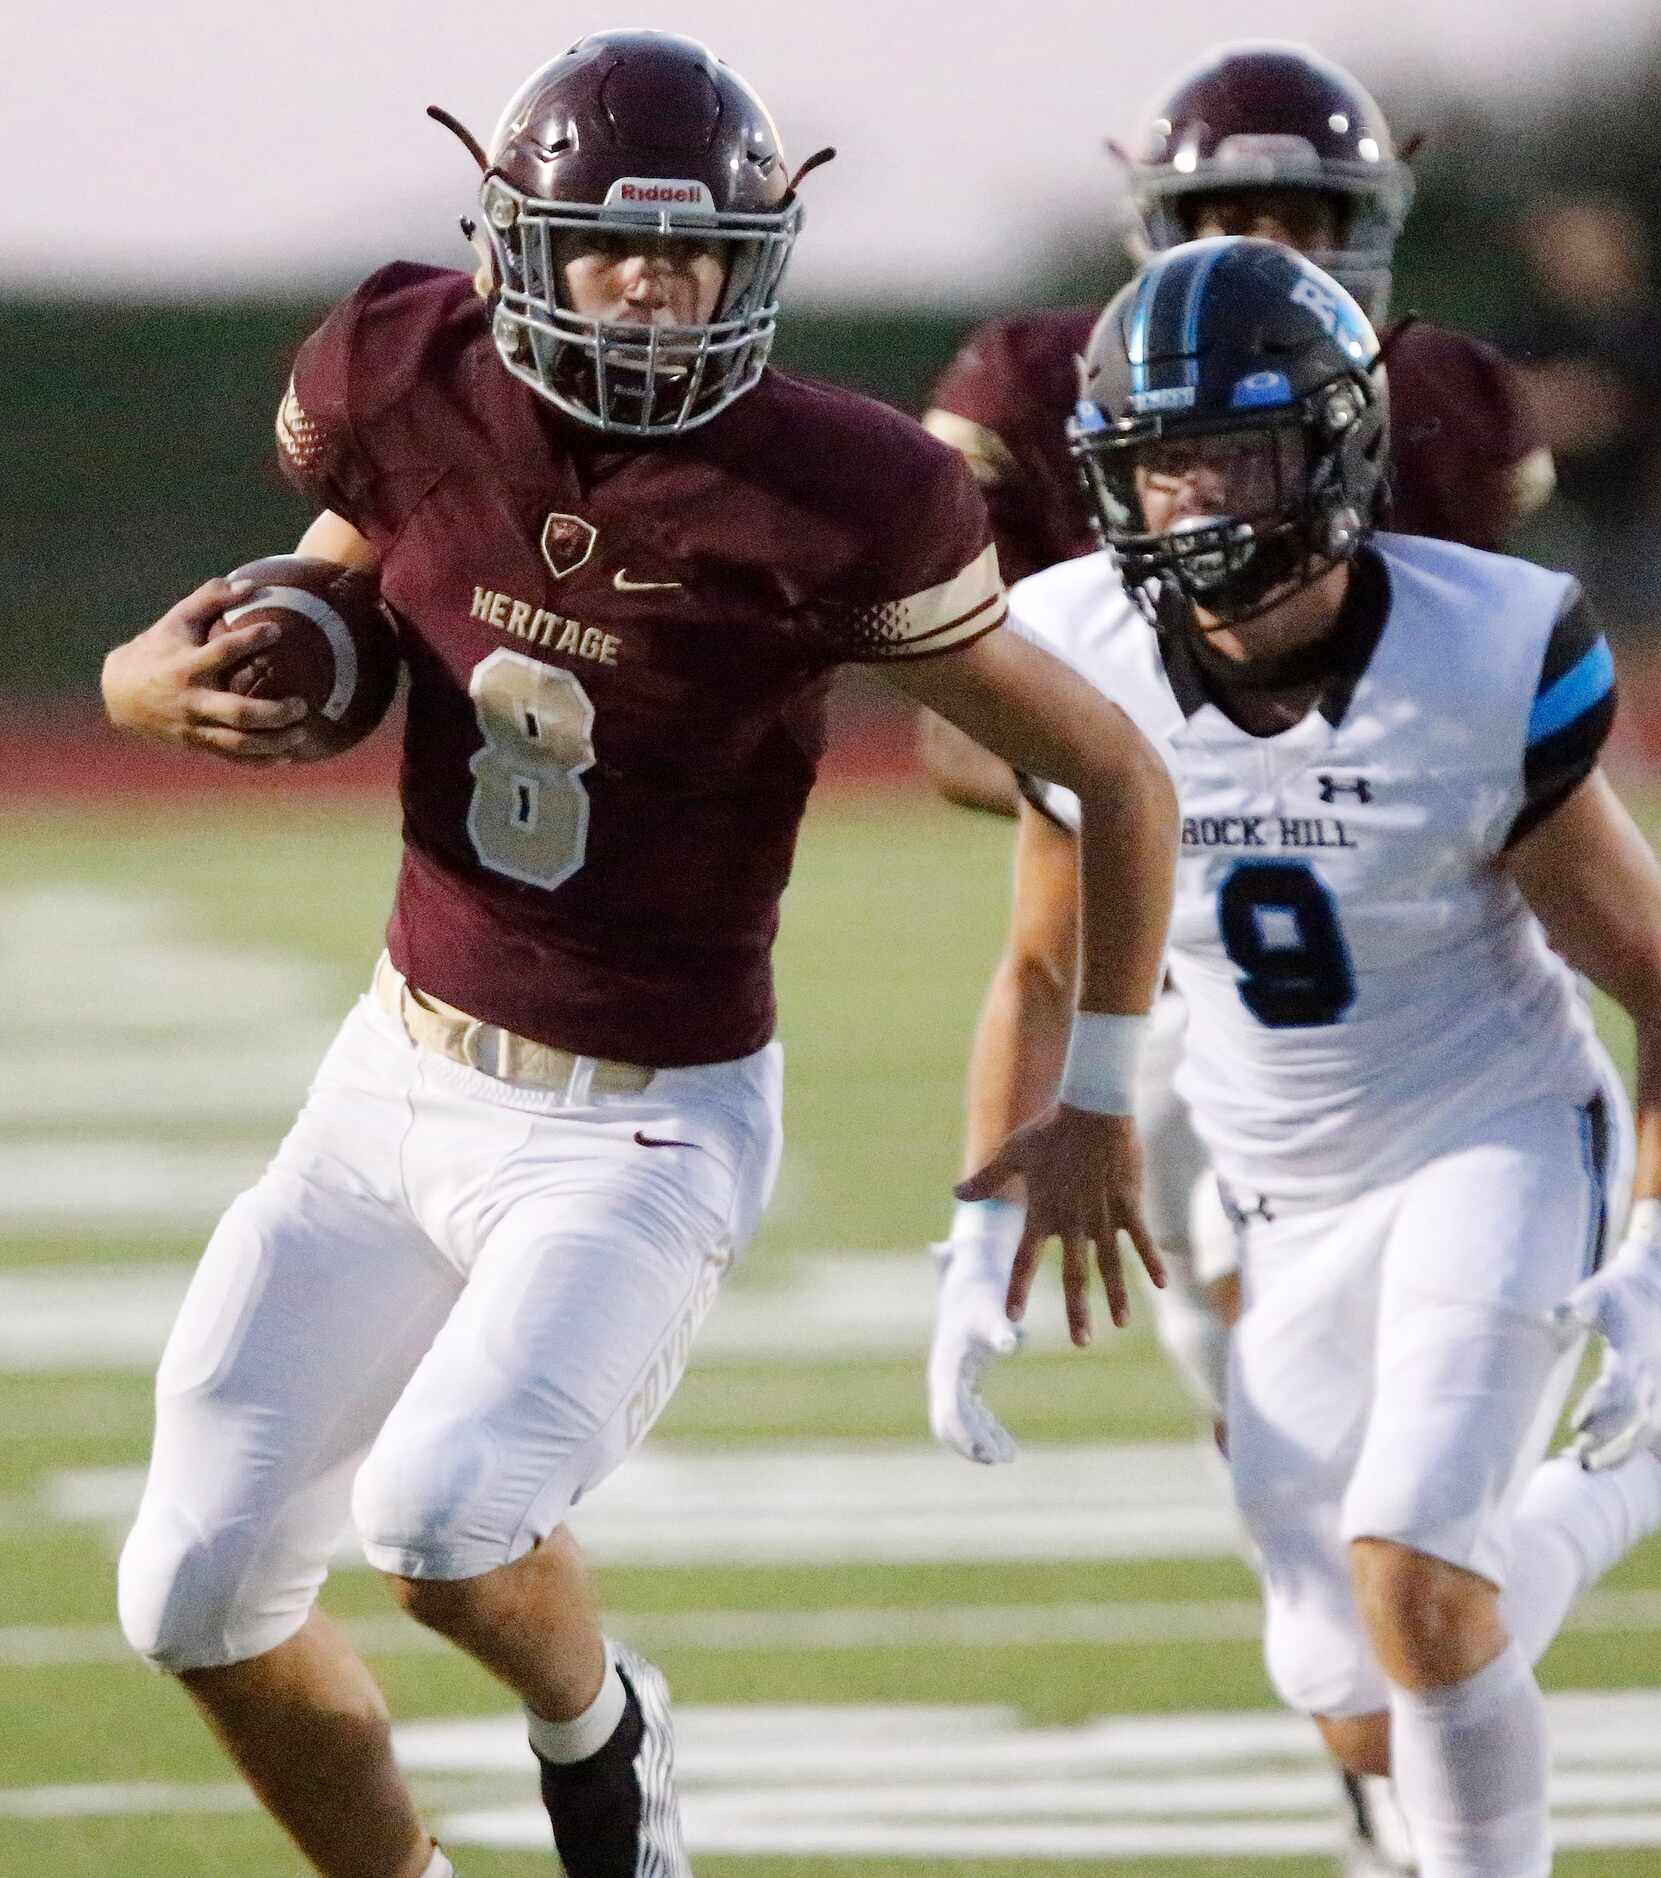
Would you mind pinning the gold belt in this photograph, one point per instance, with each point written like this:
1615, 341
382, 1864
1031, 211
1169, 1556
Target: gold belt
493, 1051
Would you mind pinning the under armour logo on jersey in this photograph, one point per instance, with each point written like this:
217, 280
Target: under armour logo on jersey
1332, 787
1237, 1212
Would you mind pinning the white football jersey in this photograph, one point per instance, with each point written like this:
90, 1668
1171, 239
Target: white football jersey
1363, 979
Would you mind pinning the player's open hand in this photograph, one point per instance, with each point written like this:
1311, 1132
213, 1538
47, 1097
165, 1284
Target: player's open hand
162, 683
1083, 1178
1621, 1304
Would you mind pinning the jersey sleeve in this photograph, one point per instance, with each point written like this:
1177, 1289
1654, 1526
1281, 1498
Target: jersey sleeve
370, 390
316, 448
1468, 458
931, 582
1571, 716
974, 406
989, 405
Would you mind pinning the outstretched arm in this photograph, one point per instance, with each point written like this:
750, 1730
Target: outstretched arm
1021, 1039
1078, 1159
1014, 1067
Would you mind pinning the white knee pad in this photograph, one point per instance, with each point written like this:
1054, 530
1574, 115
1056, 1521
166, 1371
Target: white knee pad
189, 1599
1317, 1653
1315, 1647
427, 1512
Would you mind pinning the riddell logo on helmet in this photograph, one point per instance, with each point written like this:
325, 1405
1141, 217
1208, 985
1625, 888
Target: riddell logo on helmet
658, 192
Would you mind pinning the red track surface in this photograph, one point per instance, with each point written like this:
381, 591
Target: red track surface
56, 751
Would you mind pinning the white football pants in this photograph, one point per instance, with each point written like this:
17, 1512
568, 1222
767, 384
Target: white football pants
1396, 1376
449, 1308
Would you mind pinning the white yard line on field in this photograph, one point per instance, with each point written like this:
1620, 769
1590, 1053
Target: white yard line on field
57, 1319
134, 1019
109, 1184
819, 1504
251, 1085
831, 1783
935, 1782
1132, 1624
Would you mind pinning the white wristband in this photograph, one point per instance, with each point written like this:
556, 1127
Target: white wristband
1102, 1056
1643, 1226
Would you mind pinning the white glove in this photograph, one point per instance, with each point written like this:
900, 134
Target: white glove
971, 1328
1622, 1304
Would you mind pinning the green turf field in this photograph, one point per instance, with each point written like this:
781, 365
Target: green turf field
885, 1662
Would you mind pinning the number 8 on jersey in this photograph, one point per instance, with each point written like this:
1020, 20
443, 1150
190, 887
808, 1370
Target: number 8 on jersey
529, 815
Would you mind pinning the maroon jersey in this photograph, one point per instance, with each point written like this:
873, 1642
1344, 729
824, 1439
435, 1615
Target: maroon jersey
618, 659
1466, 458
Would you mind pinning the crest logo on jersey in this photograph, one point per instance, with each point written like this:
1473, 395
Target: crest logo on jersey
567, 542
1332, 787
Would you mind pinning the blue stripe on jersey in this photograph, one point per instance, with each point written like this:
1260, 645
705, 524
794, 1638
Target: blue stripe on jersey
1585, 683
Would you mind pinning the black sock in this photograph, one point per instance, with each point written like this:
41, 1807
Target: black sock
594, 1805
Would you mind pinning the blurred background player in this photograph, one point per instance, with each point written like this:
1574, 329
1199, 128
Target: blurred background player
1386, 753
625, 559
1584, 328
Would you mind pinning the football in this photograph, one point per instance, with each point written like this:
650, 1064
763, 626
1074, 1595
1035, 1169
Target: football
338, 649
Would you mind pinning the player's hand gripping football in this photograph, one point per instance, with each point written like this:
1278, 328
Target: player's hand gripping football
972, 1328
1082, 1173
1622, 1304
162, 683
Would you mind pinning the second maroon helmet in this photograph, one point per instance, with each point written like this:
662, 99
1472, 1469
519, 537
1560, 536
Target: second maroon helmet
637, 133
1264, 115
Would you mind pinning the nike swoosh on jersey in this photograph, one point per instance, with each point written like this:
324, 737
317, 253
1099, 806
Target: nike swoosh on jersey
620, 580
658, 1141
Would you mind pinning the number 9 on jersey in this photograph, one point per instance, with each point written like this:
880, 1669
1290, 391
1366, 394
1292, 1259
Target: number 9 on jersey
1279, 924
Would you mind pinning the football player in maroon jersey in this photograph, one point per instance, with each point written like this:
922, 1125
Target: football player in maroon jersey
1256, 139
625, 558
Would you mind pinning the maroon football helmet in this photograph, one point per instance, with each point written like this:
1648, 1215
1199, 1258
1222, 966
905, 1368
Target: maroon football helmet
630, 133
1262, 115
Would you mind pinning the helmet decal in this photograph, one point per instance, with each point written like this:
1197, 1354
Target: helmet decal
1260, 388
